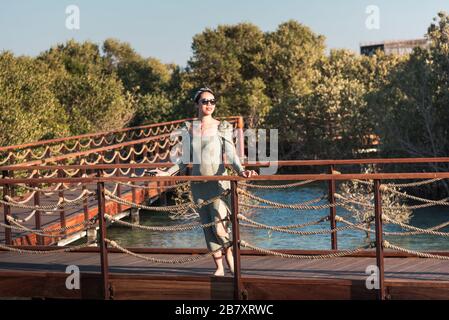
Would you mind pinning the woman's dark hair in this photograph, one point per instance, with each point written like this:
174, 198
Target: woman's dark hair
197, 96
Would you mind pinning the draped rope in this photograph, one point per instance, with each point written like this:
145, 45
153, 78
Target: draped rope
39, 251
304, 257
277, 186
388, 245
299, 206
158, 260
254, 224
179, 228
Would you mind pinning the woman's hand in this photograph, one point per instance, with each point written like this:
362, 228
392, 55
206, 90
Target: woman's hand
248, 173
158, 172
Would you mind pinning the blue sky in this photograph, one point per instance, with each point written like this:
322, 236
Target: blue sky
164, 29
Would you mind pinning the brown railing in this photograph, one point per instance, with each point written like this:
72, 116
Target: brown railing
331, 177
44, 151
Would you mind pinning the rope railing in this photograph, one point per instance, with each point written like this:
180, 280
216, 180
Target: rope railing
56, 189
48, 232
277, 186
286, 229
420, 254
343, 253
429, 231
59, 206
192, 258
176, 185
66, 146
403, 185
297, 206
51, 251
178, 228
166, 209
416, 230
17, 154
428, 203
247, 199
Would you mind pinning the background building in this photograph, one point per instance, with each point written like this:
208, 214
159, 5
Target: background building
392, 47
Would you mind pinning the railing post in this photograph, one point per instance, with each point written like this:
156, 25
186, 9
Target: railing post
62, 220
236, 241
37, 216
240, 139
103, 245
12, 187
160, 184
83, 173
132, 160
379, 238
147, 183
333, 209
118, 174
7, 208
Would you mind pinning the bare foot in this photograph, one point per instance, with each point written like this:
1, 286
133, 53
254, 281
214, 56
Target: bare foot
219, 273
231, 267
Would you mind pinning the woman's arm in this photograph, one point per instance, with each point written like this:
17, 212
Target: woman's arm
179, 165
225, 130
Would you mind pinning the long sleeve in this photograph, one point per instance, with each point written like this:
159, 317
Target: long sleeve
179, 164
232, 157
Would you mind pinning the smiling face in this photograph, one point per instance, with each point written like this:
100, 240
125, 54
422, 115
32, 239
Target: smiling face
205, 107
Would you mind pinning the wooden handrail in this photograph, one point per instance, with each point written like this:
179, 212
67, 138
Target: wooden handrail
280, 177
280, 163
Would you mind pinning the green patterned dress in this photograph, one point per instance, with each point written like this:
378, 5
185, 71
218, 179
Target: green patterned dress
209, 151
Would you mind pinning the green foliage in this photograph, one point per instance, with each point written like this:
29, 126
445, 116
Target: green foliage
93, 97
288, 61
29, 109
226, 59
153, 108
414, 103
138, 74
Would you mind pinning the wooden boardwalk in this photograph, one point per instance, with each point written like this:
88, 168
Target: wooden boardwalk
108, 273
263, 277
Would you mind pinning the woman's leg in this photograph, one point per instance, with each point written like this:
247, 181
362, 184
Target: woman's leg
221, 230
218, 260
230, 259
206, 216
211, 213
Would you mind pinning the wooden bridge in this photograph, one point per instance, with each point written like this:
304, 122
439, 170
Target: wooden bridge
55, 192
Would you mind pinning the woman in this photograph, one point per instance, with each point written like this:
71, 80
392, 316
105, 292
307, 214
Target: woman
215, 142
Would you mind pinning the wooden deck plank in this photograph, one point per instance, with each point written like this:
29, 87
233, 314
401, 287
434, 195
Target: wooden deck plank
412, 271
250, 264
305, 279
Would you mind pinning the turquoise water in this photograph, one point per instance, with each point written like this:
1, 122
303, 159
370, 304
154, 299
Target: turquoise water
425, 218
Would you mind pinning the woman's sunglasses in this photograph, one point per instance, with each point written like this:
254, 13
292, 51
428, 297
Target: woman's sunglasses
206, 101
